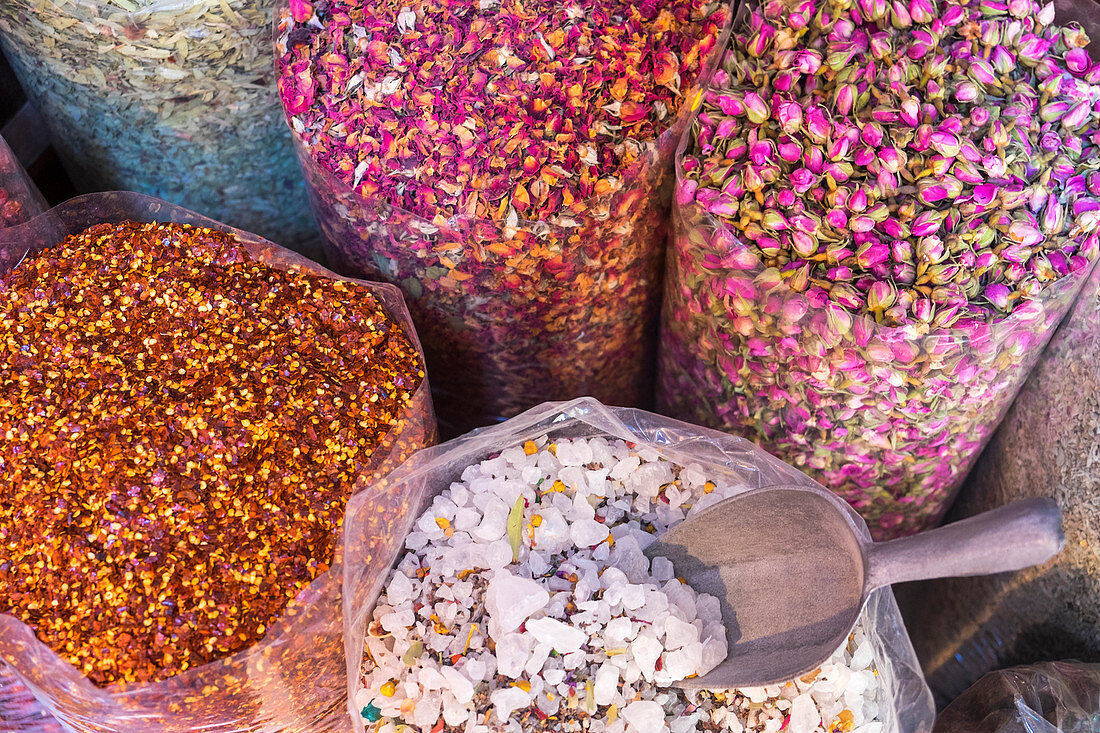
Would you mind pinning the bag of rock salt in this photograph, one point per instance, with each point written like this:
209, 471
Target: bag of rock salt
510, 592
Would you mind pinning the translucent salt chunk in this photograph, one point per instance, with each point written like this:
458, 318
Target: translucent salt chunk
562, 637
645, 716
510, 599
607, 684
804, 715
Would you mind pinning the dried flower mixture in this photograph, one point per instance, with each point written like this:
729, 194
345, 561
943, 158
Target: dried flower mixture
882, 211
524, 602
504, 162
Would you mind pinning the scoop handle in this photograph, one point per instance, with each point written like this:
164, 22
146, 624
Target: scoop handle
1012, 537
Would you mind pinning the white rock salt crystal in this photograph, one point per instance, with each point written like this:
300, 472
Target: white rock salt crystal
474, 669
553, 676
400, 589
497, 555
574, 478
538, 657
573, 660
714, 651
633, 596
398, 620
645, 650
862, 656
587, 532
684, 661
574, 452
562, 637
618, 629
645, 716
416, 541
625, 468
427, 710
804, 715
606, 684
512, 653
510, 599
508, 699
454, 713
678, 633
458, 685
494, 522
467, 518
661, 569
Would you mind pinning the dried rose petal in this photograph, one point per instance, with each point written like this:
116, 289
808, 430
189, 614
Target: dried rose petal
505, 163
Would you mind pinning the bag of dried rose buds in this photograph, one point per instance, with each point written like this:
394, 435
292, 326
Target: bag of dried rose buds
878, 224
171, 98
508, 165
186, 410
510, 593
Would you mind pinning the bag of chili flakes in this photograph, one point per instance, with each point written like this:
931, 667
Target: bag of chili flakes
508, 165
293, 678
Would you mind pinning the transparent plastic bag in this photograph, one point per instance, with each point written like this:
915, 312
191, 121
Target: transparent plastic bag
519, 312
19, 201
19, 197
1052, 697
890, 418
171, 98
1046, 446
376, 525
292, 680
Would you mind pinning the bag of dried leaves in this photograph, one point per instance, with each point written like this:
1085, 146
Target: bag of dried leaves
171, 98
510, 593
508, 165
882, 212
185, 411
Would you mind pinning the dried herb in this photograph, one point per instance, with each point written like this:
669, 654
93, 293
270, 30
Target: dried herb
883, 210
504, 163
172, 99
183, 426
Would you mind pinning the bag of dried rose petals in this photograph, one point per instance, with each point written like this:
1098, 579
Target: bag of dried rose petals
509, 592
20, 200
171, 98
877, 229
508, 165
187, 409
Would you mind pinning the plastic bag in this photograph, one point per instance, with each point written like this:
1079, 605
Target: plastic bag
890, 418
1046, 446
19, 201
19, 197
518, 312
1052, 697
376, 525
294, 679
171, 98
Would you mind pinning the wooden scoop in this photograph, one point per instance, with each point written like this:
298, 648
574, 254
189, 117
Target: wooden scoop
793, 567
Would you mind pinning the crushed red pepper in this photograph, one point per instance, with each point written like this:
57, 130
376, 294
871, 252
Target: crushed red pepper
181, 426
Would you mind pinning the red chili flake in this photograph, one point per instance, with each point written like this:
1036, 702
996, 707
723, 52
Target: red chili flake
181, 427
503, 162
